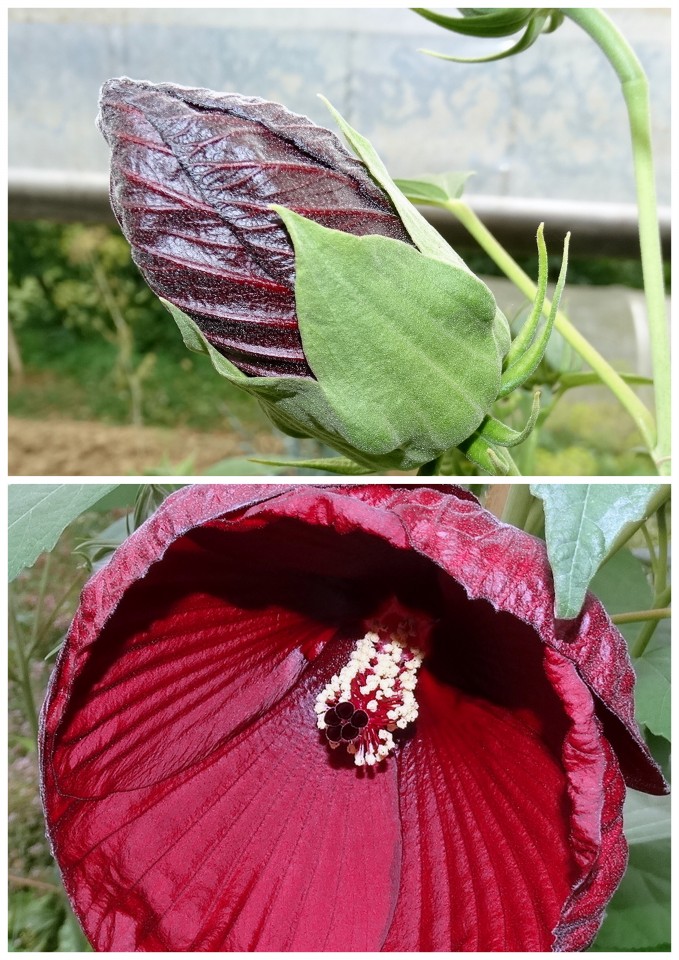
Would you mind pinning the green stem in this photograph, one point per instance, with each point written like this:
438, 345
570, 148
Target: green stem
639, 646
24, 672
37, 611
660, 574
517, 505
650, 546
664, 613
56, 610
627, 397
635, 91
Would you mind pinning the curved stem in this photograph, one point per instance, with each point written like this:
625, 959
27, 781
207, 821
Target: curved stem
627, 397
635, 91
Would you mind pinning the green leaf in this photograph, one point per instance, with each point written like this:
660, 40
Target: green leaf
39, 513
402, 345
582, 522
638, 916
652, 692
435, 189
622, 586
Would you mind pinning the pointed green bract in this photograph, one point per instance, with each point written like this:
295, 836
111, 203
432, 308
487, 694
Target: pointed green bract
489, 23
499, 433
525, 365
340, 465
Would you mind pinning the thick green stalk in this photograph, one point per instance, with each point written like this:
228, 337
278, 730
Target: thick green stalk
627, 397
635, 91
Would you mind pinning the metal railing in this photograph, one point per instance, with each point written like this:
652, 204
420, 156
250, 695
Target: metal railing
604, 229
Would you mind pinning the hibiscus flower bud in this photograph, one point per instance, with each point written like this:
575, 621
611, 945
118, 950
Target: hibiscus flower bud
193, 174
340, 718
309, 278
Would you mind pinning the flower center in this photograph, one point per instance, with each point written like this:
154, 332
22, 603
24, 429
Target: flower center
373, 695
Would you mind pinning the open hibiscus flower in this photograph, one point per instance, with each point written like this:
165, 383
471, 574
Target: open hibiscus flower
337, 718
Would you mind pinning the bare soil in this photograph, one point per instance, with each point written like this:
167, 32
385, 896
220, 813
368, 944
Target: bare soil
90, 449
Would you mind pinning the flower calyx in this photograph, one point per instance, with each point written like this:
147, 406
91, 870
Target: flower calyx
495, 23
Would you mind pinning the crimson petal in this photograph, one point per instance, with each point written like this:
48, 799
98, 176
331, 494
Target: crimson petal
482, 802
192, 176
261, 846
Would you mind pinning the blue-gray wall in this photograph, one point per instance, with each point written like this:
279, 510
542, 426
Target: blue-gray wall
549, 123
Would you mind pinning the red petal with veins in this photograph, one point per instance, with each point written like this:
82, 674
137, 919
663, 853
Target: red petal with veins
192, 803
192, 175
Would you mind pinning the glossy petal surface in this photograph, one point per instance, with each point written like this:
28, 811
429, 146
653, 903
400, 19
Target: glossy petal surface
192, 175
193, 804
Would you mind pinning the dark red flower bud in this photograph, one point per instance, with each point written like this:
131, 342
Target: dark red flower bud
192, 175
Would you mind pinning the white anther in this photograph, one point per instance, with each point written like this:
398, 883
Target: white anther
371, 705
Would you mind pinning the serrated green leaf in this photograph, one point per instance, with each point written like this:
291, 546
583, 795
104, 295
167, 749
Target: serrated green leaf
582, 521
39, 513
403, 345
435, 189
638, 916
